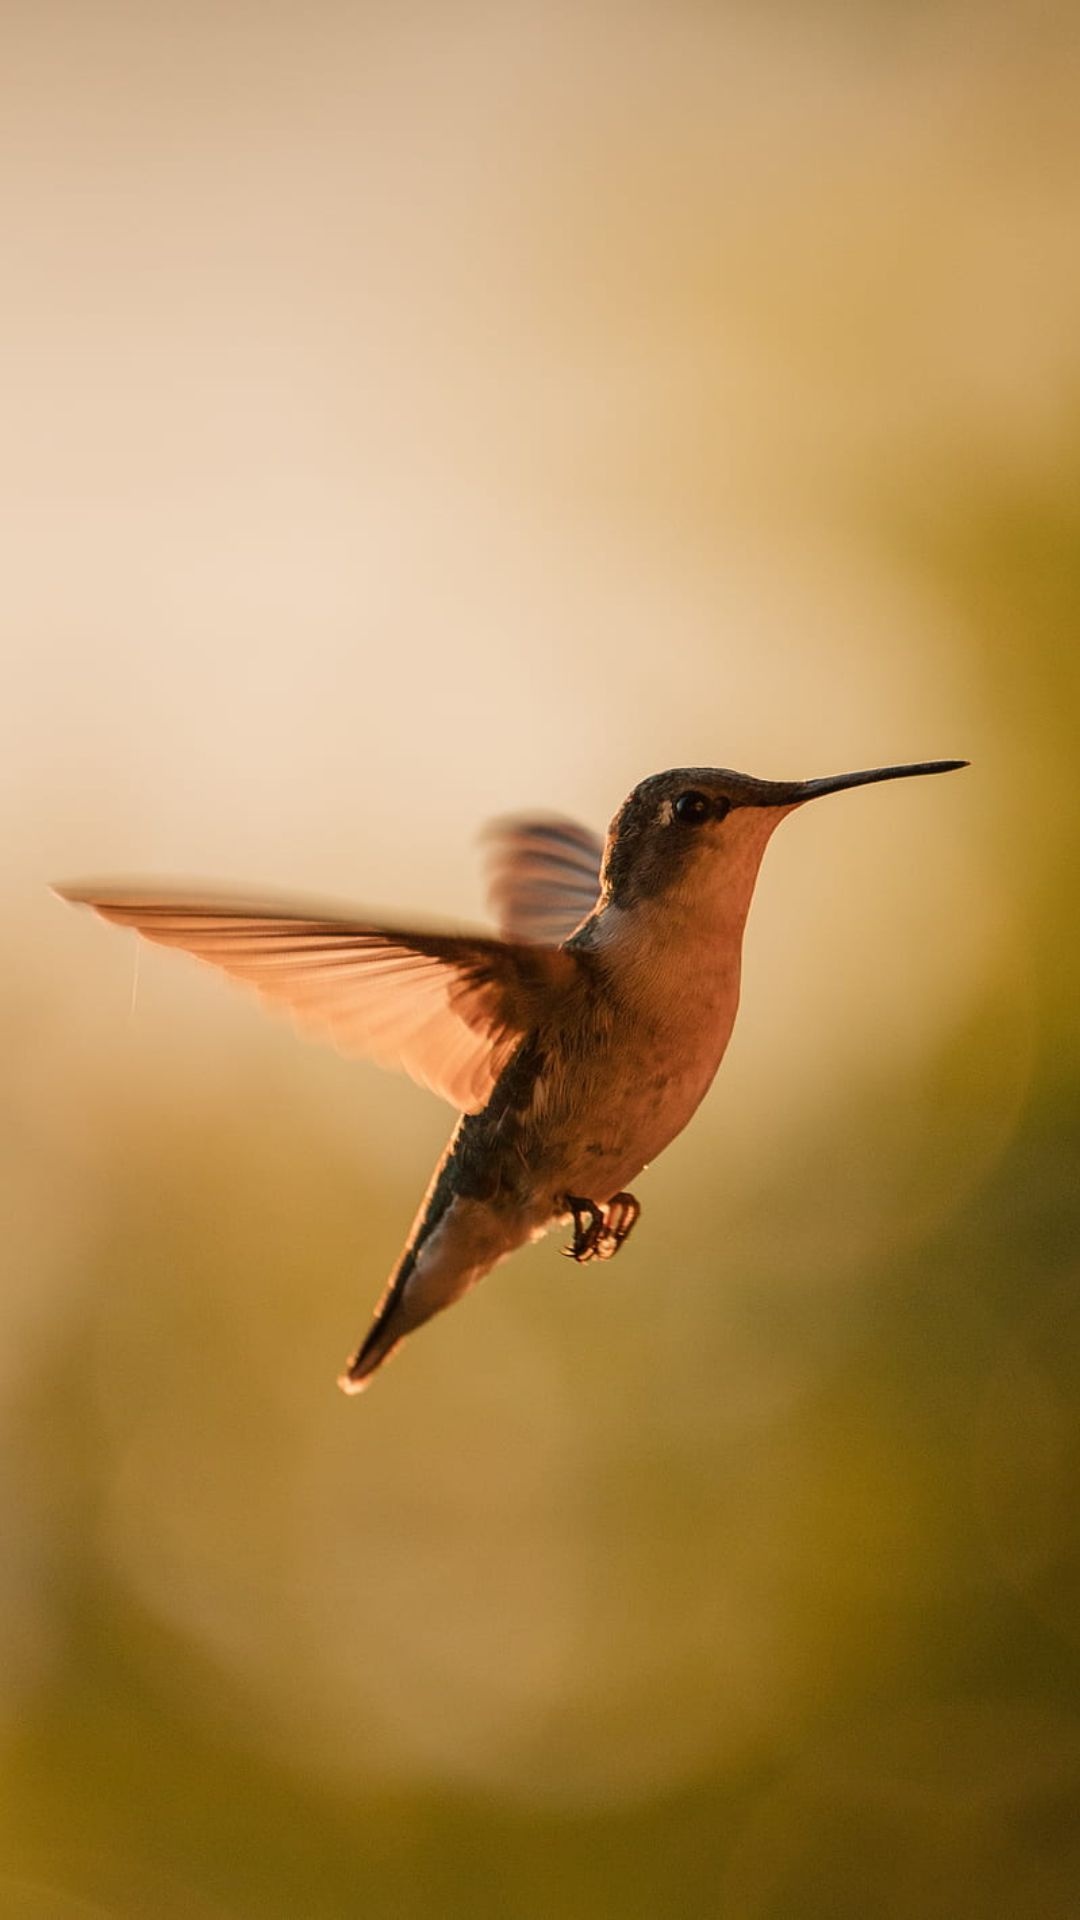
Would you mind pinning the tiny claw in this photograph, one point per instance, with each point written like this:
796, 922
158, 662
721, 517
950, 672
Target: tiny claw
583, 1246
599, 1232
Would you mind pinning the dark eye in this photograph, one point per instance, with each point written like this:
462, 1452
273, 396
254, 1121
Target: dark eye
692, 808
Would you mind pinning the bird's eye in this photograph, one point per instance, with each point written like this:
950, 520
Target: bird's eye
692, 808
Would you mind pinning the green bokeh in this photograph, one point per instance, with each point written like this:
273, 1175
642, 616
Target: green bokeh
740, 1579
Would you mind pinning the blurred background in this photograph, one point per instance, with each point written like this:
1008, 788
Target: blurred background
413, 414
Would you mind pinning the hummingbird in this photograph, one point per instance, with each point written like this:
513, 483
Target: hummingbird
575, 1044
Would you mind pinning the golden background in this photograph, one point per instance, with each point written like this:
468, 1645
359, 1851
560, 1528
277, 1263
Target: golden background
410, 414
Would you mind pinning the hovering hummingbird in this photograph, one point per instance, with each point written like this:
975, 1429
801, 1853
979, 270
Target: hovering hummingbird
576, 1045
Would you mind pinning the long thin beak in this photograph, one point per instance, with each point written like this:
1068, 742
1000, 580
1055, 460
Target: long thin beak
792, 793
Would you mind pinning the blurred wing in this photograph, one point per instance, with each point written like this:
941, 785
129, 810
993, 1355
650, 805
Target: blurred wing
449, 1009
543, 876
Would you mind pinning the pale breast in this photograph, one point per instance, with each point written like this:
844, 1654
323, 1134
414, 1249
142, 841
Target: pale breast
623, 1100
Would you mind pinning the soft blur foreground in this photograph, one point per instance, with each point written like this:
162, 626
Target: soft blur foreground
413, 414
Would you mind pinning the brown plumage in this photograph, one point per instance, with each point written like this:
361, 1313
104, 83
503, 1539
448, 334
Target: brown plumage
576, 1046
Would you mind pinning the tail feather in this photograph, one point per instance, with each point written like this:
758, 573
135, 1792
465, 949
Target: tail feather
384, 1334
465, 1243
368, 1358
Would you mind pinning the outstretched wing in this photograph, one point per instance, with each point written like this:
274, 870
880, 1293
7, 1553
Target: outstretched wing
543, 876
448, 1008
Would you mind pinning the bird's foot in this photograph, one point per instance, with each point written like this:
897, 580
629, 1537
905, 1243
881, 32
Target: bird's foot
620, 1218
599, 1232
588, 1225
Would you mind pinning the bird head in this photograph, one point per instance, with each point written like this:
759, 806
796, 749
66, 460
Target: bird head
699, 832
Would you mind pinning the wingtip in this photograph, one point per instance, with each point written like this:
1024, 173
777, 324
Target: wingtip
100, 896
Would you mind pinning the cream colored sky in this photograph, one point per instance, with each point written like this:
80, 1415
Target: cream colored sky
414, 416
415, 413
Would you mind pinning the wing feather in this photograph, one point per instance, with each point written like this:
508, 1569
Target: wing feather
450, 1009
543, 876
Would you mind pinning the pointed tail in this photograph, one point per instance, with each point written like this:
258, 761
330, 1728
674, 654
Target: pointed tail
451, 1255
385, 1331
